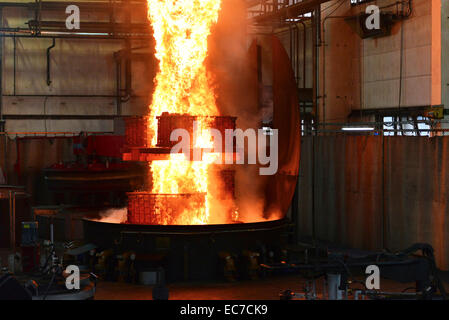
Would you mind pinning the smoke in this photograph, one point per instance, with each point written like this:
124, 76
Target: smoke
227, 61
236, 96
113, 216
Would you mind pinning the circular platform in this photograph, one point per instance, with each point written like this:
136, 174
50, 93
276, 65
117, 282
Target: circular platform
188, 252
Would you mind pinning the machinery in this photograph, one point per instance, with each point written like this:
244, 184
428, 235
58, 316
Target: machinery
46, 279
340, 273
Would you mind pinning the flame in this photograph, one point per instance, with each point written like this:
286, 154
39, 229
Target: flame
182, 176
179, 176
181, 30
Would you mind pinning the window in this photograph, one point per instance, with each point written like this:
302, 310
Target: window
307, 126
406, 126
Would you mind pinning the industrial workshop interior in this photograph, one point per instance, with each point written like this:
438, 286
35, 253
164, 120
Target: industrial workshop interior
224, 150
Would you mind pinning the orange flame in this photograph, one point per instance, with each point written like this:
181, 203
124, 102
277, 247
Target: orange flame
181, 30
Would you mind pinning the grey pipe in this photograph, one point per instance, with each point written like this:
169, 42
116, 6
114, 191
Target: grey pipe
304, 53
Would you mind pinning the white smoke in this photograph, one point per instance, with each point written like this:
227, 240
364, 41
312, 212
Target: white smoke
113, 216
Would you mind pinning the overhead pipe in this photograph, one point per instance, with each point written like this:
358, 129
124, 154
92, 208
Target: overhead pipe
294, 49
62, 95
294, 55
36, 26
57, 117
2, 121
110, 27
118, 73
304, 52
44, 133
48, 61
14, 63
316, 16
68, 35
296, 70
61, 5
119, 55
290, 33
315, 83
37, 17
128, 74
118, 83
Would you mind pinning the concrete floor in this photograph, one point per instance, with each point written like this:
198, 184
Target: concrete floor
263, 289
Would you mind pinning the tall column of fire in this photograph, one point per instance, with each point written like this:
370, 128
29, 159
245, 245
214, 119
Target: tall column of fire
181, 30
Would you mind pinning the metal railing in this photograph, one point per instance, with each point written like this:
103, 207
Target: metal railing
262, 7
398, 128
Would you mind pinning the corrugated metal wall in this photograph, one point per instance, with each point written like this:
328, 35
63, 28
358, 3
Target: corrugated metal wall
374, 192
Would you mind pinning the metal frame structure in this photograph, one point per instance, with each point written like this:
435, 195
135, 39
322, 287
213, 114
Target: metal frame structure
111, 28
275, 10
436, 128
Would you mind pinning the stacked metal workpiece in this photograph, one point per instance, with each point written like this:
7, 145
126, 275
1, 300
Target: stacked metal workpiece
149, 208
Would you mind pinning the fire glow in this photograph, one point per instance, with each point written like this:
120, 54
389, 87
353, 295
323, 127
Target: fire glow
181, 30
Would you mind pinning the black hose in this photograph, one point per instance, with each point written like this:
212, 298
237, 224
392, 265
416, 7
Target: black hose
48, 61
